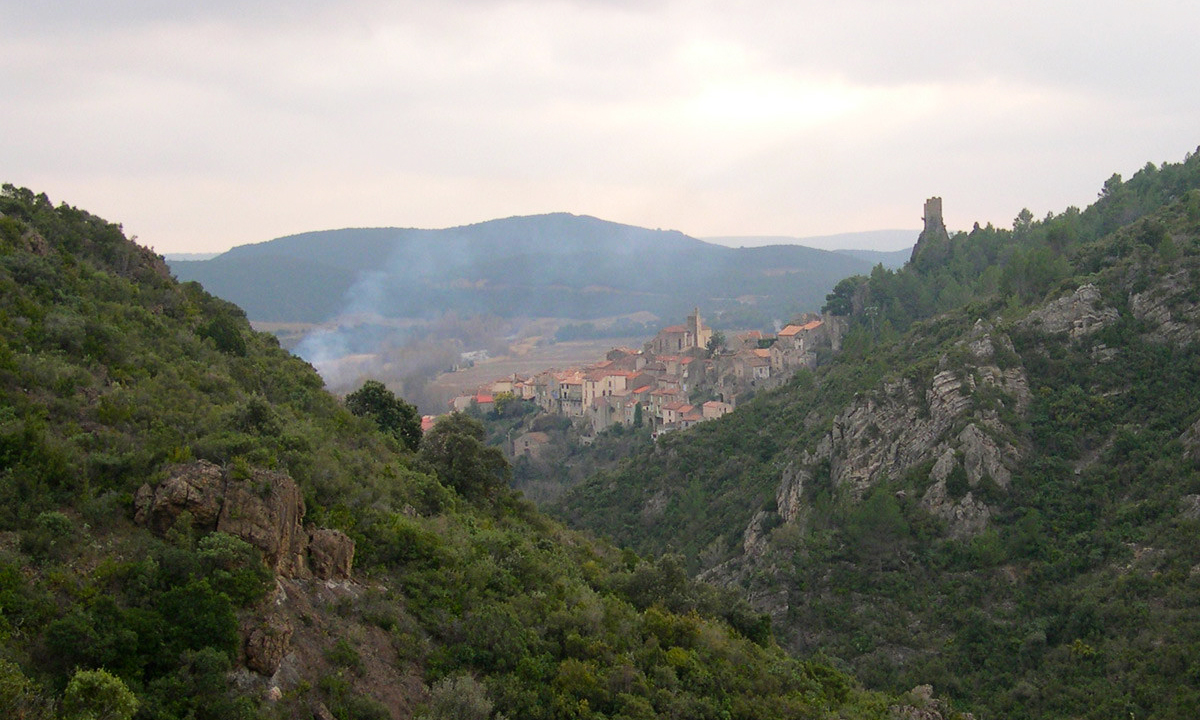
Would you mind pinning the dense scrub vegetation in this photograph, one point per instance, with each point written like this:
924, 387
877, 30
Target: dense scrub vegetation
1078, 599
111, 374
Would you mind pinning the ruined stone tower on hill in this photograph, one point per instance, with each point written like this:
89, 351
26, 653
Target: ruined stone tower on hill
933, 217
934, 235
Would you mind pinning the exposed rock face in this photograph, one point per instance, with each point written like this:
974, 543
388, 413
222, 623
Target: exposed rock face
965, 518
788, 498
36, 244
1191, 507
1170, 307
983, 457
754, 539
878, 432
198, 489
1079, 314
1190, 439
265, 509
980, 457
943, 421
267, 644
923, 706
330, 554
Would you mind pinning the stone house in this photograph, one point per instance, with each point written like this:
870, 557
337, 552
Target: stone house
681, 339
530, 445
570, 393
714, 409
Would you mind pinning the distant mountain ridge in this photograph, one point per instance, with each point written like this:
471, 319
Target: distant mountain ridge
862, 245
556, 265
892, 260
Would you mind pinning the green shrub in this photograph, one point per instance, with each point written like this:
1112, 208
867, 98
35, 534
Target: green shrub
98, 695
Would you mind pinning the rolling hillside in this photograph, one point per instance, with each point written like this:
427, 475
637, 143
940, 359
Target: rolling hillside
558, 265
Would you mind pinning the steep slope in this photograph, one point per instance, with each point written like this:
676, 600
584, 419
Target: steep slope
556, 265
190, 526
998, 497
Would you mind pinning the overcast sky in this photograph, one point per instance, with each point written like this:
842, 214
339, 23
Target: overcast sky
203, 125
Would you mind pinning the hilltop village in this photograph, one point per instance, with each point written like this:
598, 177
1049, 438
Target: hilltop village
685, 375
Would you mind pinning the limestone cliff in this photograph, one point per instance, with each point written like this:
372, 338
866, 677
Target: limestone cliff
1170, 308
1079, 314
959, 424
955, 419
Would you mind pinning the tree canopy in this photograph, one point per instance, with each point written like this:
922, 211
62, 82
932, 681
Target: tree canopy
392, 414
455, 449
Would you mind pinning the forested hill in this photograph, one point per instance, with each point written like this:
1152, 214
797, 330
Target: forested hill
191, 527
994, 487
557, 265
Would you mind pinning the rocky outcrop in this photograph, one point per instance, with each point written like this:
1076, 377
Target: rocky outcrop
1170, 308
922, 705
955, 419
1190, 439
267, 643
267, 511
1079, 314
1191, 507
330, 554
197, 489
264, 508
983, 457
754, 539
789, 496
964, 517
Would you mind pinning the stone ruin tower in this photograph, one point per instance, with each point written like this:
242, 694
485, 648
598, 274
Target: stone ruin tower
935, 228
933, 217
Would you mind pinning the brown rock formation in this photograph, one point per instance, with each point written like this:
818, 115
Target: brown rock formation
198, 489
265, 509
267, 644
330, 554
